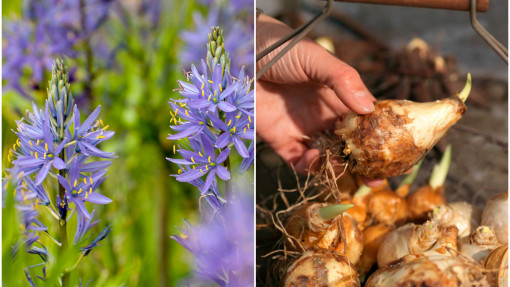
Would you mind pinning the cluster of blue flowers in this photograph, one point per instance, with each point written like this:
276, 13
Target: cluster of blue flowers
55, 143
47, 28
216, 117
238, 16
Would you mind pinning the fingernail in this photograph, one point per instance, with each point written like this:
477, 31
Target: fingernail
362, 98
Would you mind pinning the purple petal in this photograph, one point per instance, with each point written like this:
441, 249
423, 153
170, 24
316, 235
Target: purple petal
77, 122
41, 175
208, 146
98, 198
208, 181
222, 172
226, 107
80, 207
189, 175
63, 181
74, 170
58, 163
179, 161
95, 151
223, 140
241, 148
186, 133
95, 166
90, 119
223, 155
217, 122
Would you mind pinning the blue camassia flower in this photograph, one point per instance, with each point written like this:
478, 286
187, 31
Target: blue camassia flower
79, 191
203, 161
237, 128
34, 154
226, 257
89, 133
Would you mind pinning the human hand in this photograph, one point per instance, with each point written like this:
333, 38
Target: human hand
302, 94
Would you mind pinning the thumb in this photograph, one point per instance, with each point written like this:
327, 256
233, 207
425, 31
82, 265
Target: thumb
343, 79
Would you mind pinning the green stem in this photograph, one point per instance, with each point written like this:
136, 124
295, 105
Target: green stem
332, 211
63, 220
440, 171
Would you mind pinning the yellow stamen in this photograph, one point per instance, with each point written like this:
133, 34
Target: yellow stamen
17, 142
86, 195
36, 155
244, 131
179, 171
174, 148
44, 157
46, 146
193, 167
183, 236
203, 94
201, 171
221, 89
202, 87
85, 180
249, 118
80, 190
101, 122
186, 112
248, 125
210, 81
206, 168
107, 126
30, 143
37, 143
91, 182
90, 190
31, 153
180, 122
75, 183
25, 198
192, 160
209, 98
238, 116
229, 122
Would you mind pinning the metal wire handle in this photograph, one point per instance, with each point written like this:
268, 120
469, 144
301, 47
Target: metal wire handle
299, 33
501, 50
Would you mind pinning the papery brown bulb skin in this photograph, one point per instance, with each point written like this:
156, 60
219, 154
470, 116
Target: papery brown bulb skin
422, 201
479, 244
497, 265
358, 212
372, 238
321, 268
388, 208
396, 135
431, 268
315, 233
408, 239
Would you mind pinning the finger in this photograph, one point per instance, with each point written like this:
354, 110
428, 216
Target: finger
372, 182
309, 162
343, 79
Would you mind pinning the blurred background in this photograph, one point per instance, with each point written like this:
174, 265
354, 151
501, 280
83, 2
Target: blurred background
411, 53
127, 57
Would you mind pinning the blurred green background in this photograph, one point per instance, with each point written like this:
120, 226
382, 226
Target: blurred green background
148, 203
